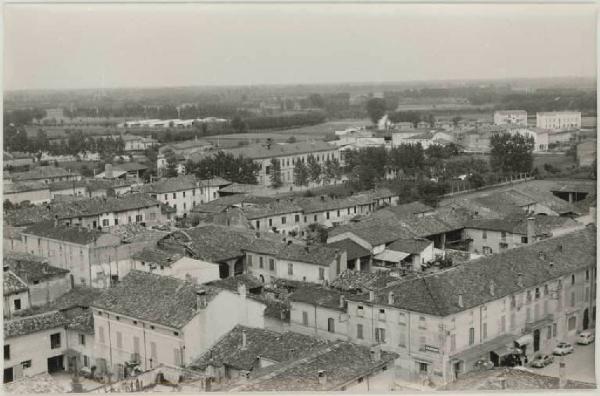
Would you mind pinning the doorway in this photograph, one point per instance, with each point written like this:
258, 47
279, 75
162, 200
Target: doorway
456, 369
55, 364
586, 319
536, 340
8, 375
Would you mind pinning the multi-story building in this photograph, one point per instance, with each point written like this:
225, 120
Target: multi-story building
159, 320
184, 192
499, 308
167, 263
489, 236
315, 264
558, 120
138, 143
33, 191
46, 174
15, 293
17, 159
510, 117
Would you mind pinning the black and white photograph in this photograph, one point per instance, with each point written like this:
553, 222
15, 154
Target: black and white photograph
299, 197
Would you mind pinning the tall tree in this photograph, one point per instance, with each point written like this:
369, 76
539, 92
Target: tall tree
171, 159
275, 173
314, 169
376, 109
511, 153
300, 174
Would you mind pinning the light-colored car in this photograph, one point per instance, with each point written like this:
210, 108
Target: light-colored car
542, 361
563, 348
585, 337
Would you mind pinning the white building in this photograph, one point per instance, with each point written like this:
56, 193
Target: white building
559, 120
153, 319
510, 117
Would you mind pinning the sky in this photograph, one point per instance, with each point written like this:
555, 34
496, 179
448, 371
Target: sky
69, 46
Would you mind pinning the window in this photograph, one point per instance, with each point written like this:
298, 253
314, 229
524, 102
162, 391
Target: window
331, 325
86, 361
549, 333
17, 304
573, 279
537, 293
297, 218
290, 269
523, 239
503, 235
546, 290
572, 298
402, 335
471, 336
116, 221
423, 367
554, 329
487, 250
26, 364
484, 330
528, 315
119, 340
283, 219
380, 335
140, 218
359, 331
174, 195
81, 339
502, 324
54, 340
321, 273
484, 234
360, 312
305, 318
338, 265
166, 196
453, 342
270, 222
338, 213
315, 217
6, 352
105, 223
153, 353
271, 264
258, 224
528, 295
587, 275
249, 259
101, 334
260, 262
327, 215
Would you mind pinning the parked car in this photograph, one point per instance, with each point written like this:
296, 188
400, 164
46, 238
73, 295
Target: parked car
563, 348
542, 361
585, 337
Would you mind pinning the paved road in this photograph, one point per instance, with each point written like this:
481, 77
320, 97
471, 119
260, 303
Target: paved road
579, 364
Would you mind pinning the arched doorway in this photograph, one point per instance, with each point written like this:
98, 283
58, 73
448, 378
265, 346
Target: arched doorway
586, 319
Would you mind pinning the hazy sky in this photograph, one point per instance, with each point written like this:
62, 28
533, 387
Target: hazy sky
89, 46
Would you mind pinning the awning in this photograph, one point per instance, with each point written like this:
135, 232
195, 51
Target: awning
525, 340
391, 256
506, 350
483, 350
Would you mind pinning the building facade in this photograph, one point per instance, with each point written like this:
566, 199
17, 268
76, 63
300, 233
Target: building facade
559, 120
510, 117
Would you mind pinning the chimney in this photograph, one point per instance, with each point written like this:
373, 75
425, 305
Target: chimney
562, 375
342, 301
391, 298
108, 172
200, 299
520, 280
244, 340
371, 295
322, 376
492, 288
530, 229
460, 301
375, 353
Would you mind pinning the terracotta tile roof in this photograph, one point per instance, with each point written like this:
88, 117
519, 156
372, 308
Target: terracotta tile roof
20, 326
374, 231
350, 280
153, 298
239, 188
172, 184
33, 270
78, 297
411, 208
42, 172
215, 181
12, 284
582, 186
544, 225
271, 209
80, 320
412, 246
133, 233
78, 235
342, 362
514, 379
353, 249
221, 204
17, 187
319, 255
268, 344
157, 256
437, 294
78, 208
265, 246
90, 184
231, 283
129, 167
319, 296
